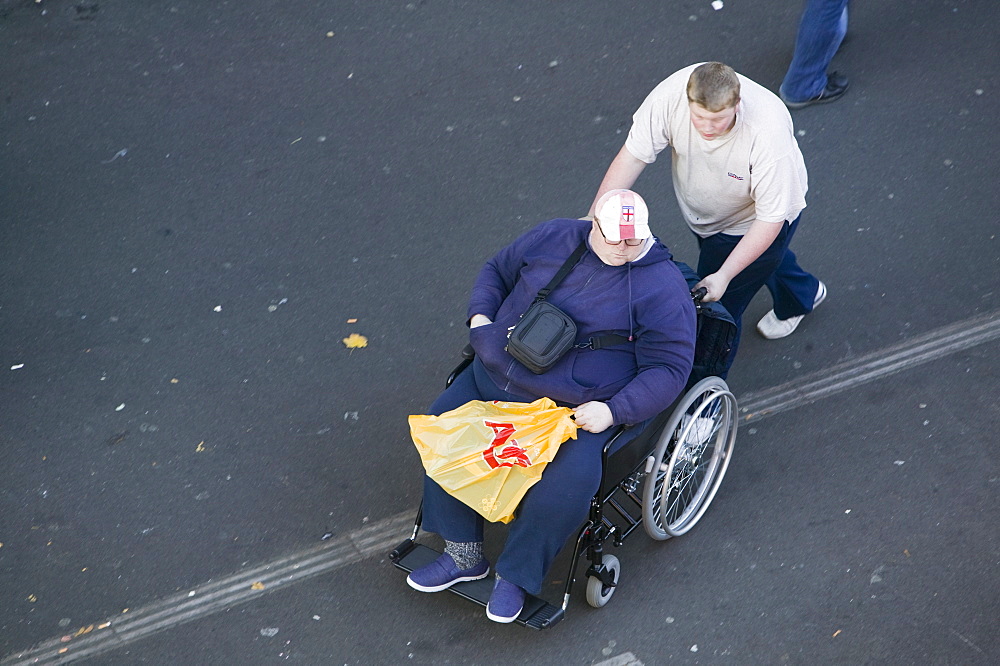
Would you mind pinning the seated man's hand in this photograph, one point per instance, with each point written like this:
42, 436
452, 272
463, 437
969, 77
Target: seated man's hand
594, 416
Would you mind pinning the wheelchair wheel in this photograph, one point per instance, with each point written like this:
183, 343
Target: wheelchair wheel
690, 459
598, 593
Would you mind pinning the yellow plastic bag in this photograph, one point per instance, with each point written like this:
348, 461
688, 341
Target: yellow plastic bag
487, 454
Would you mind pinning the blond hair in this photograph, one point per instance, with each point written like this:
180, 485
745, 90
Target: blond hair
714, 87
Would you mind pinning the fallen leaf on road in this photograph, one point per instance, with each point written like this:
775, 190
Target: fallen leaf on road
257, 586
354, 341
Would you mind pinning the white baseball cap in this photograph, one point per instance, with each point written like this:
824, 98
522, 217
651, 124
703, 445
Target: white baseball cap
622, 214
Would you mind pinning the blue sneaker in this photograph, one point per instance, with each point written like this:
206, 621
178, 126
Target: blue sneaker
506, 602
442, 573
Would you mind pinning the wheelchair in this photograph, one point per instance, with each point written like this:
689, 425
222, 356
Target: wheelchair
663, 480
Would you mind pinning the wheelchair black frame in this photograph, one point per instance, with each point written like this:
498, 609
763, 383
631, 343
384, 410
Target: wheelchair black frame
630, 463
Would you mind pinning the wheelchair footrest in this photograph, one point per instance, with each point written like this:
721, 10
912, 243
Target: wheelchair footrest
537, 613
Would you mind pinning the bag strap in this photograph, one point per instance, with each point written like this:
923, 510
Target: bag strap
602, 341
563, 271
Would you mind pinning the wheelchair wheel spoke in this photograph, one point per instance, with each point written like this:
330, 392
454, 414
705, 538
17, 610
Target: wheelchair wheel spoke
690, 459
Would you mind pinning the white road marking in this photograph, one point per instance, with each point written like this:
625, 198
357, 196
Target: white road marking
218, 595
921, 349
379, 537
627, 659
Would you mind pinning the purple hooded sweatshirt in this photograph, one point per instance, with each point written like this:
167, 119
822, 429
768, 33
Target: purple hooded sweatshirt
646, 299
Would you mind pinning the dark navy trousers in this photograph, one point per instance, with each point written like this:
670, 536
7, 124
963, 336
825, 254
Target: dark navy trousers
792, 289
552, 510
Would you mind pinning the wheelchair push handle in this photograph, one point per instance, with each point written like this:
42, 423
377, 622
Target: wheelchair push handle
699, 294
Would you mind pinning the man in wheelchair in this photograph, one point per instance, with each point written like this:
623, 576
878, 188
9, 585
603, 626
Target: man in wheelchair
635, 340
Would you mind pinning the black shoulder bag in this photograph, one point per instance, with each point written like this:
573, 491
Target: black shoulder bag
545, 333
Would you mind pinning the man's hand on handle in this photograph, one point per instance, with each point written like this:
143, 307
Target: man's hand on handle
715, 286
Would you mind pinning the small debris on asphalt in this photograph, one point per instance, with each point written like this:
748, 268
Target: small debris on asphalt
355, 341
121, 153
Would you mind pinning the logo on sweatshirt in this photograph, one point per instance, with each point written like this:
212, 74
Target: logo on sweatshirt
733, 175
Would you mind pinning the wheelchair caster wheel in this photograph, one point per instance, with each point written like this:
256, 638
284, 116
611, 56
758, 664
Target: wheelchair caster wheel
598, 593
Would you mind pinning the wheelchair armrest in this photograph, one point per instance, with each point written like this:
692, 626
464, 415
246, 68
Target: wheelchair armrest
620, 430
468, 353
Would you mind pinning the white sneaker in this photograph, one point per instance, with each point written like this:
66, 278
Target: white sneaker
773, 328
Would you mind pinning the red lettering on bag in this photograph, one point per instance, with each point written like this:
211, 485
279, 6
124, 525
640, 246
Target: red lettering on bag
501, 454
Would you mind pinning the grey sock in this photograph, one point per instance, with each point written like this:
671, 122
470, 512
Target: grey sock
466, 554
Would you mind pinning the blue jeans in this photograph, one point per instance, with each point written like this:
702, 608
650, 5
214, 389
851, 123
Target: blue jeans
821, 30
551, 511
792, 289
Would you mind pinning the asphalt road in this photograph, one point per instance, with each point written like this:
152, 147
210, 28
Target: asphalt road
200, 198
